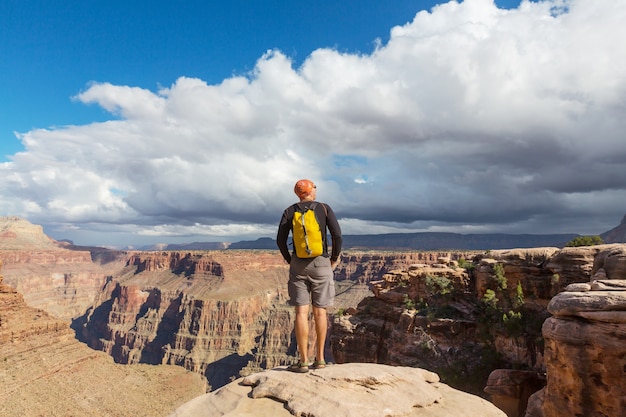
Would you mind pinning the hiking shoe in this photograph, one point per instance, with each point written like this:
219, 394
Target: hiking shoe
318, 365
299, 367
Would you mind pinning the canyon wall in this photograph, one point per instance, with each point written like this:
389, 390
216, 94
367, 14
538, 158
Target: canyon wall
218, 313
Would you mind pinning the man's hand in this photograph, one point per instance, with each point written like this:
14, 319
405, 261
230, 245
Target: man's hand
333, 264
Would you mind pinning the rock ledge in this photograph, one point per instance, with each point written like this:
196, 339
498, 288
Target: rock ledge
349, 390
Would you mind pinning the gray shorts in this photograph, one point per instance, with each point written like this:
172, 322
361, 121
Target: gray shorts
311, 280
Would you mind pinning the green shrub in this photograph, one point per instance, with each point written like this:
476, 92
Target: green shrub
499, 278
585, 241
489, 299
438, 285
463, 263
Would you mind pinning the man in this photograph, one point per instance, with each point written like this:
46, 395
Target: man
310, 278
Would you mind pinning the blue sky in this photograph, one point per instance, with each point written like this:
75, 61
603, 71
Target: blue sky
51, 51
128, 123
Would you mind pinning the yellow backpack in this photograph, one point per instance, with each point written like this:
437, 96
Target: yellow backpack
307, 234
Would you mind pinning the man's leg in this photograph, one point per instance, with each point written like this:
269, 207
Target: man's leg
302, 332
321, 328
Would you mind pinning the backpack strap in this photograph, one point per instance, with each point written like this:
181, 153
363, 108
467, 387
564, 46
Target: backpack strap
296, 207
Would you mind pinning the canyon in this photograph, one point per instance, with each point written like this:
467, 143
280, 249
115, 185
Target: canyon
479, 319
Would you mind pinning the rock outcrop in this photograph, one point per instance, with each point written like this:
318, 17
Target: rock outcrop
45, 371
349, 390
585, 344
364, 267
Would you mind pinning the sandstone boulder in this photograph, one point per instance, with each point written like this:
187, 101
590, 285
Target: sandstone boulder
348, 390
573, 303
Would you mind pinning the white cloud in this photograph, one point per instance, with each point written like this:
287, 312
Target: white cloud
470, 115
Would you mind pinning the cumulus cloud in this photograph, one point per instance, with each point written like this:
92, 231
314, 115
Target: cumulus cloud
470, 118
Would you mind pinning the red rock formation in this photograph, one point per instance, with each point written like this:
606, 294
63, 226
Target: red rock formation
217, 313
62, 282
388, 329
179, 262
206, 311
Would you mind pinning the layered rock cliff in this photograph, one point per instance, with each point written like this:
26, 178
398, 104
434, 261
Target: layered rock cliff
47, 372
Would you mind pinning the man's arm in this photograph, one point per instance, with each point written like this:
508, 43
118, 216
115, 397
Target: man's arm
335, 234
283, 234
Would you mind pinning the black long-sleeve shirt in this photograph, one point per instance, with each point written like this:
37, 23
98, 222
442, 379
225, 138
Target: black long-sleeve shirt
327, 220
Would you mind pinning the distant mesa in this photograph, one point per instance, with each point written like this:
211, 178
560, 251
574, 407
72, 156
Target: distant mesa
17, 233
617, 234
411, 241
